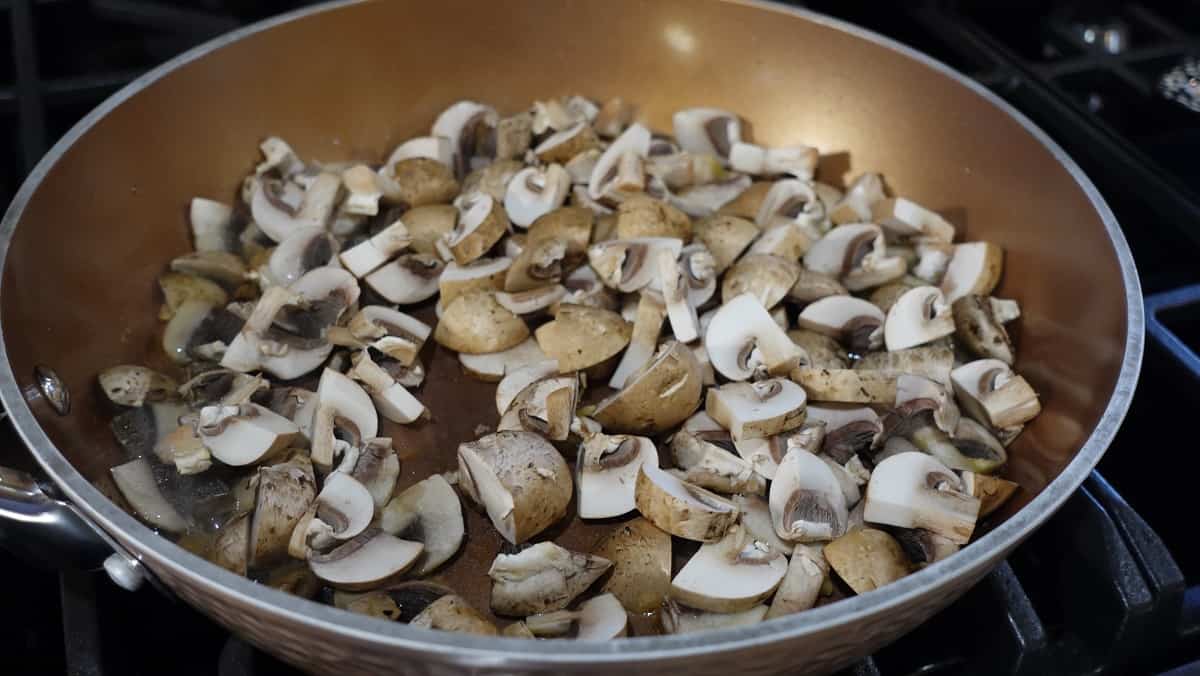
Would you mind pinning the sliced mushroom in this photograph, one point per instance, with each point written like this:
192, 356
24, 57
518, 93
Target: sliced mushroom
491, 180
613, 116
643, 217
343, 510
519, 478
849, 429
178, 289
767, 278
629, 265
706, 462
222, 267
539, 264
303, 251
140, 430
701, 201
369, 560
657, 397
344, 409
932, 361
377, 468
427, 224
681, 311
428, 512
859, 325
571, 226
481, 274
465, 123
992, 491
481, 223
726, 237
914, 490
518, 630
245, 434
229, 548
867, 559
756, 520
765, 453
906, 218
364, 258
856, 255
135, 480
923, 547
786, 240
707, 131
607, 473
280, 207
409, 279
919, 395
807, 573
567, 143
974, 268
757, 410
439, 148
980, 328
545, 407
284, 493
681, 509
919, 316
513, 136
856, 205
212, 225
792, 201
742, 340
806, 500
129, 385
677, 619
634, 141
516, 380
397, 335
641, 570
822, 351
884, 297
798, 161
729, 576
362, 189
846, 385
581, 337
494, 366
541, 578
184, 449
393, 401
647, 326
534, 192
476, 323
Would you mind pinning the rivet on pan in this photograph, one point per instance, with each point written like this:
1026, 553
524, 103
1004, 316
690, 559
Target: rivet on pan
53, 389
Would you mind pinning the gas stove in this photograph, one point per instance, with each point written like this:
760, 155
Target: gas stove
1108, 585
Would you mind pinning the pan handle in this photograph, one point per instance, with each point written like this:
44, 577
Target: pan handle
49, 530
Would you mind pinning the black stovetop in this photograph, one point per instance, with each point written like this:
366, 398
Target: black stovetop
1105, 587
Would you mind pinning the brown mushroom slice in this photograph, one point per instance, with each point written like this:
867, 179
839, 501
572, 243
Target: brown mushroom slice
905, 218
280, 207
570, 225
856, 255
245, 434
581, 337
539, 264
974, 268
482, 274
581, 166
629, 265
393, 401
727, 237
859, 325
494, 366
130, 385
135, 480
183, 449
677, 619
518, 630
885, 296
542, 578
452, 613
567, 143
481, 223
681, 170
607, 470
681, 509
992, 491
743, 340
613, 116
641, 558
701, 201
867, 559
284, 493
707, 131
709, 465
633, 142
647, 326
807, 574
545, 407
212, 225
846, 385
747, 204
799, 161
914, 490
850, 429
980, 327
822, 351
856, 205
365, 257
428, 512
767, 278
519, 478
659, 396
643, 217
788, 241
761, 409
933, 361
919, 316
806, 499
395, 334
475, 323
731, 575
409, 279
792, 201
368, 560
519, 378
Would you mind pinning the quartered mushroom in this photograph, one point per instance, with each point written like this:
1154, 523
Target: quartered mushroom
476, 323
749, 202
362, 190
856, 255
613, 116
822, 351
213, 226
135, 480
905, 218
932, 261
679, 619
647, 326
534, 192
492, 367
571, 226
539, 264
301, 252
767, 278
516, 380
284, 492
643, 217
481, 274
789, 241
377, 468
799, 161
681, 311
395, 334
409, 279
629, 265
914, 490
370, 559
992, 491
428, 512
545, 407
867, 559
581, 337
932, 360
641, 570
634, 143
542, 578
707, 131
992, 394
513, 136
184, 449
279, 207
919, 316
846, 385
427, 224
923, 547
129, 385
343, 510
794, 202
729, 576
658, 396
806, 575
806, 500
230, 547
726, 237
743, 341
756, 410
765, 453
366, 257
439, 148
567, 143
452, 613
974, 268
756, 520
244, 434
979, 325
681, 509
856, 204
917, 395
465, 123
857, 324
705, 461
700, 201
519, 478
607, 470
481, 223
850, 429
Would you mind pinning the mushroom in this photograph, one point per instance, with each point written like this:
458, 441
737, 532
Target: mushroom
856, 255
707, 463
363, 191
761, 409
643, 217
846, 385
914, 490
368, 560
767, 278
244, 434
856, 204
476, 323
452, 613
680, 310
539, 264
822, 350
343, 510
613, 116
600, 618
785, 240
932, 259
464, 123
677, 619
866, 559
542, 578
225, 268
343, 409
580, 168
212, 225
546, 407
742, 340
707, 131
756, 520
749, 202
427, 224
491, 180
284, 493
979, 325
567, 143
798, 161
658, 396
607, 473
916, 395
439, 148
849, 429
919, 316
974, 268
513, 136
641, 564
859, 325
558, 114
681, 509
183, 449
807, 573
128, 385
516, 380
647, 325
140, 430
377, 468
178, 289
933, 361
992, 491
726, 237
492, 367
481, 274
301, 252
806, 500
571, 226
581, 337
729, 576
923, 547
700, 201
994, 395
481, 223
518, 629
395, 334
366, 257
629, 265
534, 192
428, 512
229, 548
409, 279
634, 141
792, 201
765, 453
393, 401
135, 480
280, 207
905, 218
884, 297
519, 478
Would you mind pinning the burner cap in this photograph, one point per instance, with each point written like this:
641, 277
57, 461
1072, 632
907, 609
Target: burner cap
1181, 84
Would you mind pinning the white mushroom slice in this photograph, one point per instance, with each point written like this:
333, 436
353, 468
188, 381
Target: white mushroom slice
641, 557
393, 401
519, 478
707, 463
367, 561
701, 201
135, 480
914, 490
392, 332
128, 385
520, 377
280, 208
460, 123
729, 576
493, 367
601, 618
765, 453
364, 258
974, 268
607, 473
701, 422
992, 491
633, 141
760, 409
301, 252
680, 310
855, 205
792, 201
662, 394
532, 301
919, 316
377, 468
184, 449
906, 218
245, 434
284, 493
756, 520
681, 509
932, 260
647, 325
993, 394
428, 512
917, 394
545, 407
350, 402
363, 191
867, 559
481, 273
743, 340
682, 170
534, 192
629, 265
855, 254
211, 223
408, 279
707, 131
481, 223
847, 481
438, 148
768, 278
278, 155
677, 619
806, 574
856, 323
541, 578
806, 500
849, 386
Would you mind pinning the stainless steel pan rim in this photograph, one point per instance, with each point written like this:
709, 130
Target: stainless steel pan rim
482, 652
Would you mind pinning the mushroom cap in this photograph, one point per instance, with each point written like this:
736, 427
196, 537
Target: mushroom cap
759, 409
681, 509
570, 225
742, 337
919, 316
642, 216
492, 367
460, 123
418, 181
992, 491
974, 268
768, 278
427, 224
807, 502
857, 323
662, 394
130, 385
411, 278
822, 351
582, 336
700, 201
641, 558
789, 241
369, 560
516, 380
812, 286
707, 462
538, 265
481, 223
607, 470
915, 490
480, 274
765, 453
475, 323
344, 505
729, 576
519, 478
428, 512
281, 207
546, 407
932, 360
866, 559
438, 148
283, 495
854, 254
725, 236
849, 428
562, 145
541, 578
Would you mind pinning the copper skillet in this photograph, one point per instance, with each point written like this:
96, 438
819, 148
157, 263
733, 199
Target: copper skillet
89, 231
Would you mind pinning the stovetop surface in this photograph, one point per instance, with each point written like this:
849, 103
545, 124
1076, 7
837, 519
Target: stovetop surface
1104, 587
